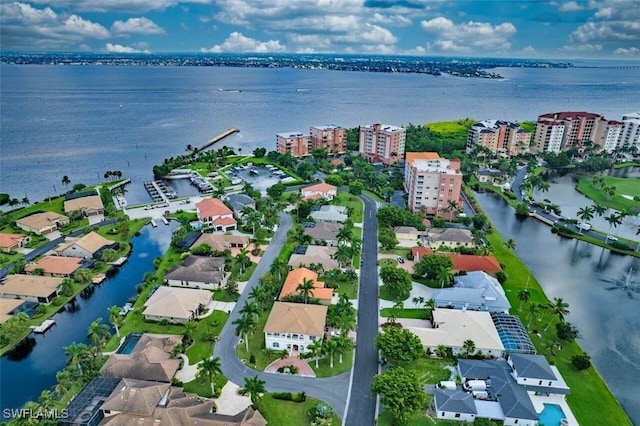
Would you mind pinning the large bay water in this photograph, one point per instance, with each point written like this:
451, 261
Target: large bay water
31, 367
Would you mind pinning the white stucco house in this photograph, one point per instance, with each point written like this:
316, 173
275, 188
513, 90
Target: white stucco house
294, 326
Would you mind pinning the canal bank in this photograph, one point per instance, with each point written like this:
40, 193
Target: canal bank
31, 367
605, 316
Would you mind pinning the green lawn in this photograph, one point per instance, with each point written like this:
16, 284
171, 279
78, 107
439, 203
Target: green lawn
135, 322
624, 186
348, 200
223, 296
429, 370
350, 289
256, 346
288, 413
203, 388
208, 326
406, 313
373, 195
384, 294
324, 369
590, 398
397, 251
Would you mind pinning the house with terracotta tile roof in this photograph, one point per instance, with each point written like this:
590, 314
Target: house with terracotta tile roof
88, 246
319, 191
213, 213
56, 266
42, 223
297, 277
294, 326
12, 242
8, 308
470, 263
419, 252
88, 203
32, 288
176, 305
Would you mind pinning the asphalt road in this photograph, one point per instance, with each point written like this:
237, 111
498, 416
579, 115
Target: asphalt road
362, 405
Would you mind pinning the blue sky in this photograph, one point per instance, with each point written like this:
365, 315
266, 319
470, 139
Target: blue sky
506, 28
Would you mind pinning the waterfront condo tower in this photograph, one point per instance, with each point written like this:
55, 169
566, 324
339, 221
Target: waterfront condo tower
500, 137
294, 143
562, 131
432, 182
381, 143
331, 138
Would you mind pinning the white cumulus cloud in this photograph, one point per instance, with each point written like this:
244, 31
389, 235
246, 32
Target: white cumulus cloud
237, 42
136, 26
632, 51
468, 36
118, 48
107, 6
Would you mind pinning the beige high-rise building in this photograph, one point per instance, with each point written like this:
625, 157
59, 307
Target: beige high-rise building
294, 143
630, 132
381, 143
331, 138
562, 131
499, 137
432, 182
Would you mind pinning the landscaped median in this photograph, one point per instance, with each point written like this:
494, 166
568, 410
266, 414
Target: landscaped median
590, 399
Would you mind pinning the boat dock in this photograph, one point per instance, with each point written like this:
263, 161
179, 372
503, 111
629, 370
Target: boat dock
153, 223
159, 191
164, 220
46, 324
218, 138
121, 261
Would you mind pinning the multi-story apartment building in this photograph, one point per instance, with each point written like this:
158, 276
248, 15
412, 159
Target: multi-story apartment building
331, 138
381, 143
630, 132
562, 131
611, 135
432, 182
499, 137
294, 143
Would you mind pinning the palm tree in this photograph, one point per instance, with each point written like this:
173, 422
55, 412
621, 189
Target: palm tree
278, 267
244, 325
585, 214
452, 207
444, 276
305, 288
64, 381
534, 309
343, 255
344, 234
25, 201
115, 318
98, 333
343, 344
315, 348
254, 387
558, 308
356, 244
259, 294
243, 260
469, 346
614, 220
598, 209
510, 244
294, 199
66, 181
543, 186
330, 347
441, 350
418, 300
190, 328
523, 296
208, 369
77, 352
251, 308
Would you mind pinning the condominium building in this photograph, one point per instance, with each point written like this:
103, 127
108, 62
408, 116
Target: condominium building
612, 134
432, 182
294, 143
331, 138
381, 143
562, 131
630, 132
499, 137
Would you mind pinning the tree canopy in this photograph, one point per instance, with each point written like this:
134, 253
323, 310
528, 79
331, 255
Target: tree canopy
397, 281
401, 393
398, 345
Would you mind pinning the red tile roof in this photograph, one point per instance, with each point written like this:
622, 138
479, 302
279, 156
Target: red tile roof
468, 263
297, 276
420, 251
56, 265
212, 207
224, 221
321, 187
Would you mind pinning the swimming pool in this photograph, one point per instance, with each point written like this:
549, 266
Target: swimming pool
551, 415
129, 343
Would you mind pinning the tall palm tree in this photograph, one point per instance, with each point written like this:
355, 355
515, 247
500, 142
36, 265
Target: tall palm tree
244, 325
523, 296
115, 318
444, 276
469, 346
254, 387
453, 207
208, 369
316, 349
585, 214
190, 328
598, 209
614, 220
343, 255
251, 308
510, 244
543, 186
558, 308
66, 181
417, 301
259, 294
242, 259
98, 333
441, 350
76, 353
534, 309
344, 234
343, 344
64, 382
330, 347
305, 288
278, 267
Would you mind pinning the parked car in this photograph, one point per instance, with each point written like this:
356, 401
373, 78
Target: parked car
611, 238
400, 259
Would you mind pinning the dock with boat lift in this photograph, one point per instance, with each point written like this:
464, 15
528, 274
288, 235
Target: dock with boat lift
159, 191
218, 138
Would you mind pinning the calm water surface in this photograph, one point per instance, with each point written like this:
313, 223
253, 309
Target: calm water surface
32, 368
607, 319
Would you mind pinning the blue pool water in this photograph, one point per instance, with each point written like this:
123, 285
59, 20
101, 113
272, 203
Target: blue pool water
551, 415
129, 343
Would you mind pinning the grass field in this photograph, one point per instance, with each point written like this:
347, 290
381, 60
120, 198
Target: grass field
288, 413
624, 186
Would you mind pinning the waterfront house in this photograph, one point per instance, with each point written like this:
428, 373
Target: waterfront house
176, 305
238, 202
319, 191
461, 262
150, 359
221, 242
32, 288
12, 242
214, 214
322, 232
88, 246
200, 272
475, 291
449, 237
8, 308
536, 375
294, 326
42, 223
306, 256
451, 328
297, 277
88, 203
56, 266
329, 213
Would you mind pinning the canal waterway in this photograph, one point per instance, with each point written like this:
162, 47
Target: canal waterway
604, 313
31, 368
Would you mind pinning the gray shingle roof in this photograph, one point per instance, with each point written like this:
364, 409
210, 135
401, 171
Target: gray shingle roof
532, 366
455, 401
198, 269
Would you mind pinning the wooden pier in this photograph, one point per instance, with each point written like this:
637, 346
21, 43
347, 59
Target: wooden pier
218, 138
46, 324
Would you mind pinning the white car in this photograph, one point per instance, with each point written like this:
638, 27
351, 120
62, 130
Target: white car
611, 238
